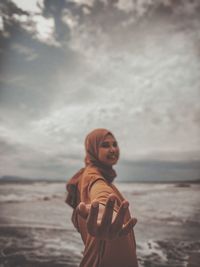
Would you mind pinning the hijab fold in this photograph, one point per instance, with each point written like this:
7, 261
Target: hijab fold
92, 143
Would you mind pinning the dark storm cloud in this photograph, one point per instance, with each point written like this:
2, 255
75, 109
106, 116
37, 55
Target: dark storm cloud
11, 27
111, 19
55, 9
31, 63
99, 13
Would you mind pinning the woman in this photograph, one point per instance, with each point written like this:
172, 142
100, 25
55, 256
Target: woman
100, 213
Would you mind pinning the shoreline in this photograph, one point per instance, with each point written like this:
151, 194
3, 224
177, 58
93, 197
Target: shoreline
27, 181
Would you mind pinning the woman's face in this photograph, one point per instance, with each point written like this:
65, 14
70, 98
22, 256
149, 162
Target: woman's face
108, 151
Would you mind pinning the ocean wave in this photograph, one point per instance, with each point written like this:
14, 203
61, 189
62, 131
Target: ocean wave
13, 198
40, 226
152, 247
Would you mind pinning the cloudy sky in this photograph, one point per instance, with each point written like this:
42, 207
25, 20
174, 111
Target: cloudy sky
68, 67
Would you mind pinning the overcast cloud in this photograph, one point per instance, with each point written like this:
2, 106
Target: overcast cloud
68, 67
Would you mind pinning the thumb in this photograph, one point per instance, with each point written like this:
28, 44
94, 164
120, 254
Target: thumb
83, 210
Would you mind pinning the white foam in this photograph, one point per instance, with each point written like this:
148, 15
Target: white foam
26, 197
153, 248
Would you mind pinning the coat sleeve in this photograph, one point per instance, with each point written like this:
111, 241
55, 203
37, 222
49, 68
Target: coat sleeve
100, 191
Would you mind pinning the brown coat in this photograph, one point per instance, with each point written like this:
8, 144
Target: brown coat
120, 252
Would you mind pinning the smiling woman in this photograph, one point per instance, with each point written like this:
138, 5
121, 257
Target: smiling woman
100, 212
109, 151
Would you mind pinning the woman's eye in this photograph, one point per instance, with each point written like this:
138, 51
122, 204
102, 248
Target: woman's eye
105, 145
115, 144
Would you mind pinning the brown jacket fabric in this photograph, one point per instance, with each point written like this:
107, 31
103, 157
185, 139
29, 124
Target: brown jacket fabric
120, 252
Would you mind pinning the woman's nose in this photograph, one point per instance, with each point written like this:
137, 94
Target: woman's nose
112, 149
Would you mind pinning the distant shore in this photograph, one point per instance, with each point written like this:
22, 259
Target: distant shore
177, 183
5, 180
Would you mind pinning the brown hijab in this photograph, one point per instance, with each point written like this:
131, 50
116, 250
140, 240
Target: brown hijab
92, 143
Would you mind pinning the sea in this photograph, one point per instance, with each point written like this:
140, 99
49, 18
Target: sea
36, 228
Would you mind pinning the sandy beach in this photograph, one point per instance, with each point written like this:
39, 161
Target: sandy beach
36, 229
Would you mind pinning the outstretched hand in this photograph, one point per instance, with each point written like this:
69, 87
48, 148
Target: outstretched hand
103, 222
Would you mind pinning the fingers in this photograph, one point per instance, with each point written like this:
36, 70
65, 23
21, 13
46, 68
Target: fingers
119, 219
92, 218
108, 214
106, 228
83, 211
128, 226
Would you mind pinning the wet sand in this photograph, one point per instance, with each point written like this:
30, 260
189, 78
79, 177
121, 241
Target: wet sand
30, 247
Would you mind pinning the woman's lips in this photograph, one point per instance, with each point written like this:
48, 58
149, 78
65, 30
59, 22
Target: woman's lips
113, 156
